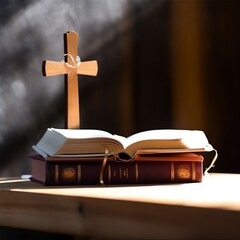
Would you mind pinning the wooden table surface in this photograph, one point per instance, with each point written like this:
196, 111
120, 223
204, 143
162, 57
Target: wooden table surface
206, 210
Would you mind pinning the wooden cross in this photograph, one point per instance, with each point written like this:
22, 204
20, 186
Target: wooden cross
71, 68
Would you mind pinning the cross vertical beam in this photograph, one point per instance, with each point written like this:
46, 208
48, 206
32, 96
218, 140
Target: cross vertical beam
71, 82
71, 68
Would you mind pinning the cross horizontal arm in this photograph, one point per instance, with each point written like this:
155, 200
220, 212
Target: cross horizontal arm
88, 68
51, 68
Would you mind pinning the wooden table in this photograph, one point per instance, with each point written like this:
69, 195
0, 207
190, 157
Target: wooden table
206, 210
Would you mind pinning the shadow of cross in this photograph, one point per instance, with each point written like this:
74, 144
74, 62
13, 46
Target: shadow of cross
71, 68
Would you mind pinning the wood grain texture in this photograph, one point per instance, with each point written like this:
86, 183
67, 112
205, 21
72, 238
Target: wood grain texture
72, 94
177, 211
88, 68
52, 68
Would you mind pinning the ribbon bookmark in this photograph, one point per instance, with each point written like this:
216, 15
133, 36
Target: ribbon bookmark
212, 163
103, 167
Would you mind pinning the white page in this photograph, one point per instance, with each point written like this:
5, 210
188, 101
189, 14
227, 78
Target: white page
82, 133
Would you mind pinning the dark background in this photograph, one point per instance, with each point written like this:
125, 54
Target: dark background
162, 64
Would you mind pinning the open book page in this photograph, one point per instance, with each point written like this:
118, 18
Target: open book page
82, 133
89, 141
207, 148
69, 156
168, 140
122, 140
77, 141
183, 138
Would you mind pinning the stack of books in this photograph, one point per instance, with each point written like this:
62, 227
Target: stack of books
82, 157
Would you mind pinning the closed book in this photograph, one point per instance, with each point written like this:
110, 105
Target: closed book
143, 169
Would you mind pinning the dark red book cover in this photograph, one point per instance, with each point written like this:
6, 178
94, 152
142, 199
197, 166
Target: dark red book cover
147, 169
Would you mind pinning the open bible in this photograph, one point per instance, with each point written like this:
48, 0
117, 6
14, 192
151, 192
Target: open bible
84, 156
75, 142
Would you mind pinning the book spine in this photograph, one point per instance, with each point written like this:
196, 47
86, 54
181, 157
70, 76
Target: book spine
137, 172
